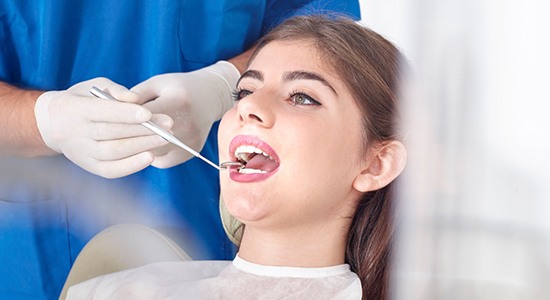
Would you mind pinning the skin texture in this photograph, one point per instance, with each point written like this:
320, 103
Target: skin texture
300, 215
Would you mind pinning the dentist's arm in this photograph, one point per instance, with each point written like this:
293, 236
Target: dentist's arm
18, 132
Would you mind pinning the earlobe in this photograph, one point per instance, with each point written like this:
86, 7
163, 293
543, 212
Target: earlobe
384, 165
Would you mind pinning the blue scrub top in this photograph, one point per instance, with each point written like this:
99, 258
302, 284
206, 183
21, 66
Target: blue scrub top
49, 208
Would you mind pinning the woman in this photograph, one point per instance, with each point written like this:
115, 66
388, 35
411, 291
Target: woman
316, 126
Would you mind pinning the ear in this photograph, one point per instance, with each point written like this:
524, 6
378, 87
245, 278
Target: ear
384, 164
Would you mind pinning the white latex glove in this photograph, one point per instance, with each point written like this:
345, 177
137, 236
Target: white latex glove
194, 100
103, 137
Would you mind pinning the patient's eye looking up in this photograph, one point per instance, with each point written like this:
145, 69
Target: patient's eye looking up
295, 97
240, 93
301, 98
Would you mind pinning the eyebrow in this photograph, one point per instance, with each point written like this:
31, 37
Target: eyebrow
289, 76
252, 74
298, 75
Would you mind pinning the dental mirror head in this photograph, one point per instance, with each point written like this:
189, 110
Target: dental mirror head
231, 165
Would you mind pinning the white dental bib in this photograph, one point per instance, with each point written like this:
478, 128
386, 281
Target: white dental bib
221, 280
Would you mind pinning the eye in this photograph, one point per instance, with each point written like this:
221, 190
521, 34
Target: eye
240, 93
300, 98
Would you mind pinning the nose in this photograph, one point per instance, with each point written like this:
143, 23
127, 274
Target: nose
256, 109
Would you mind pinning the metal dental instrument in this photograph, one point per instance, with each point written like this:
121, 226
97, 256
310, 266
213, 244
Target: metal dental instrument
168, 136
231, 164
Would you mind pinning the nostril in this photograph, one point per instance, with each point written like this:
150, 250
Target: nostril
255, 117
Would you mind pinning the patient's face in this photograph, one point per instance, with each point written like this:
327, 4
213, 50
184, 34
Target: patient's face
299, 130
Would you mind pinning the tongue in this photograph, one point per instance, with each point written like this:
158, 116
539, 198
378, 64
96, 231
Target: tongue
260, 162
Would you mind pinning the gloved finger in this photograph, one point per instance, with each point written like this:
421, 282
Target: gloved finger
120, 92
167, 160
149, 89
101, 110
171, 155
102, 131
164, 121
168, 103
104, 84
160, 151
122, 148
122, 167
109, 168
123, 94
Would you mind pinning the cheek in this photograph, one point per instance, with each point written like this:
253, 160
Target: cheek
324, 154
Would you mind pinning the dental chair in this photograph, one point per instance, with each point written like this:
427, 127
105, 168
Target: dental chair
121, 247
127, 246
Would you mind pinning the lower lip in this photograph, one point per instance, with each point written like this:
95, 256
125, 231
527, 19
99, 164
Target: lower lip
236, 176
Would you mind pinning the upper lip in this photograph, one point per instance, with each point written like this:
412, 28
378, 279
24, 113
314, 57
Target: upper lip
250, 140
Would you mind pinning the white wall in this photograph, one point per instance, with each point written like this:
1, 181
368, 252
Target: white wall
477, 188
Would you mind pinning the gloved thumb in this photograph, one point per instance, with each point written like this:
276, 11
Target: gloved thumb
151, 88
124, 95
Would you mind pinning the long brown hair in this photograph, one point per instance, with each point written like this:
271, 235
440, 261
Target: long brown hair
370, 66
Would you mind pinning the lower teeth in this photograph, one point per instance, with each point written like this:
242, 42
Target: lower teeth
251, 171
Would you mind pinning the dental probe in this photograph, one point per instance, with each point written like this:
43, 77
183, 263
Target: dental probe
168, 136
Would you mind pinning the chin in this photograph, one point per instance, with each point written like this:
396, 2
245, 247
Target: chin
245, 208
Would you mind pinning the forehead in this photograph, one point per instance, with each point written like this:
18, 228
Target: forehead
291, 55
279, 57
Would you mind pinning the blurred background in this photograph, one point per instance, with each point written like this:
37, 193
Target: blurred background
476, 193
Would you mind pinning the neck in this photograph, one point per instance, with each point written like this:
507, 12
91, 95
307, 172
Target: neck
315, 246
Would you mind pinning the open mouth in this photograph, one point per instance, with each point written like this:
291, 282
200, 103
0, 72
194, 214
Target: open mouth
255, 160
256, 156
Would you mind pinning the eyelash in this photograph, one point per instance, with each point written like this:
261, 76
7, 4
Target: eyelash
294, 94
238, 95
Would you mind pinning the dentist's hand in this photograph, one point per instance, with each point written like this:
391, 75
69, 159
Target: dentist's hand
103, 137
194, 100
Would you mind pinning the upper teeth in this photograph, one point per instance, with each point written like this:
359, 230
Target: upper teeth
243, 152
